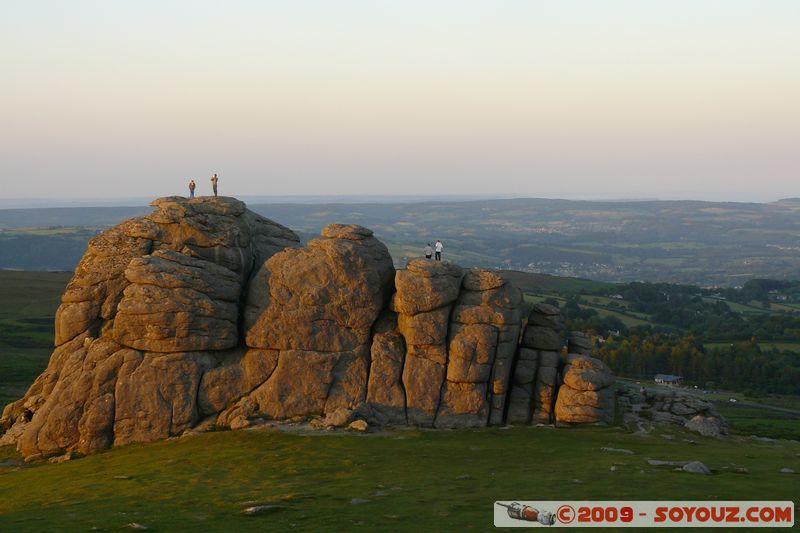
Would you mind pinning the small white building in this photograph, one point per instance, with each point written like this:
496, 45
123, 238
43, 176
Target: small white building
668, 379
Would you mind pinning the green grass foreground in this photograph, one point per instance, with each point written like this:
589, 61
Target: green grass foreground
413, 480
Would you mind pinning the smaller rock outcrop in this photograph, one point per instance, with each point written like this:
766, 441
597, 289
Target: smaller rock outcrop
483, 339
587, 395
542, 344
645, 408
426, 291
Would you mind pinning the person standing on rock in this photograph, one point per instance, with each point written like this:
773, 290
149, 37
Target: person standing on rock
439, 247
428, 251
192, 187
214, 180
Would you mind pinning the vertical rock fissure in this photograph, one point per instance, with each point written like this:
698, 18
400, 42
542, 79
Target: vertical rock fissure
507, 404
450, 318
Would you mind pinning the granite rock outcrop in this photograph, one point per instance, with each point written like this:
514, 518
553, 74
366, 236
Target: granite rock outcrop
203, 313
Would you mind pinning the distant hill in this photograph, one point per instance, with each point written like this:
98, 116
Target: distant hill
67, 216
790, 201
704, 243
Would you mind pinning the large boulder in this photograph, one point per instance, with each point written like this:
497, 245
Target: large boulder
484, 334
153, 305
586, 396
425, 294
316, 306
385, 393
176, 302
708, 426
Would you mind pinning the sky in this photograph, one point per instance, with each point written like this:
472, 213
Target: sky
570, 99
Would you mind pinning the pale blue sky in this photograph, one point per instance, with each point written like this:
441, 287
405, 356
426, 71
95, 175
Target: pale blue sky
678, 99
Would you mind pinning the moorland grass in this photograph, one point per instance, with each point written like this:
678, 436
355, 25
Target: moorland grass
28, 302
413, 480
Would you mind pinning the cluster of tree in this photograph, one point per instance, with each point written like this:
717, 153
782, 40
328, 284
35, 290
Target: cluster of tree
684, 308
741, 366
588, 319
681, 321
761, 290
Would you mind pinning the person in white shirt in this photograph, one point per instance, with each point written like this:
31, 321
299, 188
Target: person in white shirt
438, 247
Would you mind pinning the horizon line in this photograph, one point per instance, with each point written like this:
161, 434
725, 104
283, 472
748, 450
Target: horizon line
323, 199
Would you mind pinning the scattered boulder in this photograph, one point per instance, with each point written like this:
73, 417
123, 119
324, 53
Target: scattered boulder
617, 450
338, 418
647, 408
262, 509
658, 462
69, 456
708, 426
696, 467
358, 425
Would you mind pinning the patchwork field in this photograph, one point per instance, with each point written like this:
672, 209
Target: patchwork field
703, 243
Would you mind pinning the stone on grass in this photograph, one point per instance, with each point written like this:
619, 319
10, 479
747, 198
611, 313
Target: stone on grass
617, 450
696, 467
262, 509
358, 425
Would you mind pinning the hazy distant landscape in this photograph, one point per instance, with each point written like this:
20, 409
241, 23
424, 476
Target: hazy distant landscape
703, 243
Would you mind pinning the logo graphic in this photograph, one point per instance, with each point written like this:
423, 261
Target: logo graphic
518, 511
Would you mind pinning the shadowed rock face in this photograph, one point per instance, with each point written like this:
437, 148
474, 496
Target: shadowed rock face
205, 311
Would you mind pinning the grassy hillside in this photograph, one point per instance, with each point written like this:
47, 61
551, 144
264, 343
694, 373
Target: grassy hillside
411, 480
28, 302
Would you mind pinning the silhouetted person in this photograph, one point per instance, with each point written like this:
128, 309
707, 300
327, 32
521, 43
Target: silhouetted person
214, 180
428, 251
439, 247
192, 187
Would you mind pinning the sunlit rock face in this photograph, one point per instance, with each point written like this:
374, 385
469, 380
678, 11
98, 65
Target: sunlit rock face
203, 311
154, 304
